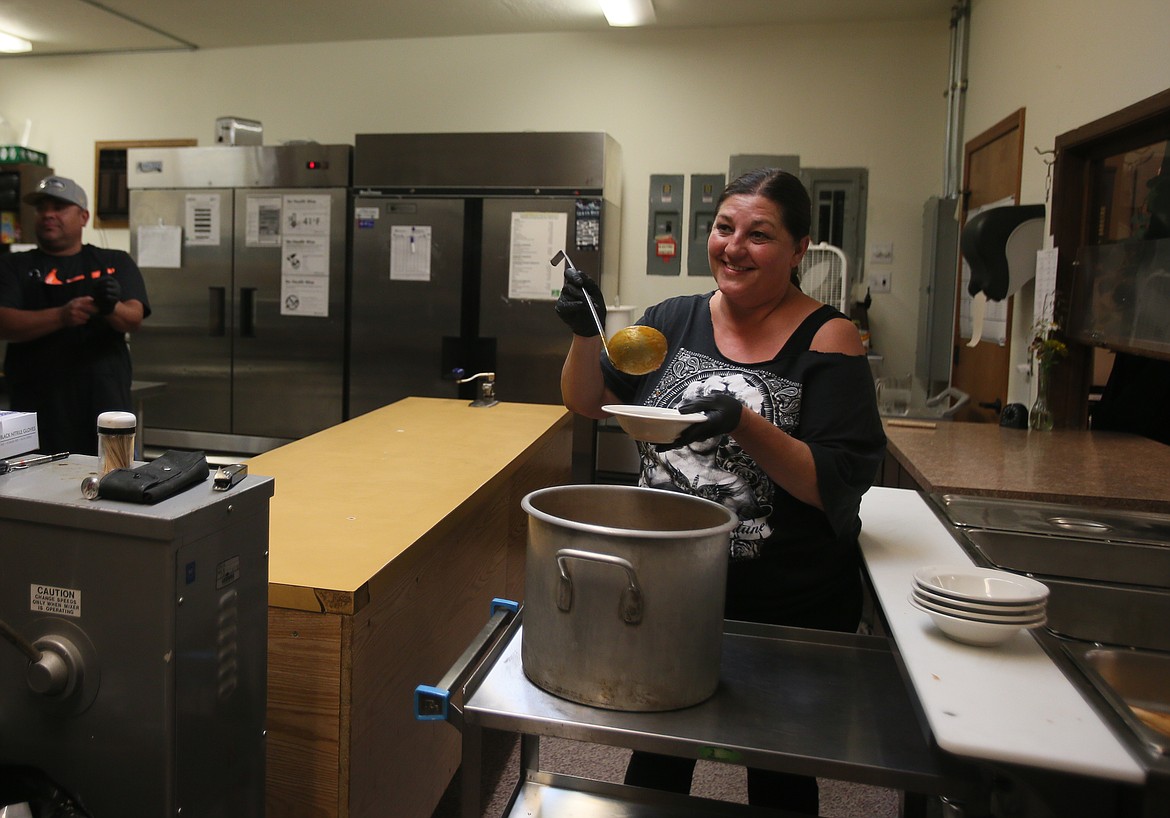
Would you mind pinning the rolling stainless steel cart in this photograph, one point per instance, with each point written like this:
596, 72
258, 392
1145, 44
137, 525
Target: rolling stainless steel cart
800, 701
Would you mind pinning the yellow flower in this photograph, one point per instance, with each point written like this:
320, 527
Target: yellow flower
1047, 348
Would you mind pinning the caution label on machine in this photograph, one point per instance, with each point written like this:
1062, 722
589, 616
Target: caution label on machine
53, 600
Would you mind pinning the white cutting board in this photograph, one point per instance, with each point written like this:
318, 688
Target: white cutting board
1006, 703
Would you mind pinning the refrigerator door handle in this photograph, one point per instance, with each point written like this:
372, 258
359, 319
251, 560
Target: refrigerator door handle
216, 312
248, 312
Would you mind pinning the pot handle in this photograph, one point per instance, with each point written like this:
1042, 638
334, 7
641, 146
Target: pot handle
630, 606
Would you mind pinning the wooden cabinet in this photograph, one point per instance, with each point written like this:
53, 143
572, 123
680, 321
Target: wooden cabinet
391, 533
1109, 196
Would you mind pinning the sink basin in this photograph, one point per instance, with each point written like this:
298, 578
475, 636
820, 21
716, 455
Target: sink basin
1108, 573
1078, 558
1054, 518
1108, 577
1138, 681
1110, 614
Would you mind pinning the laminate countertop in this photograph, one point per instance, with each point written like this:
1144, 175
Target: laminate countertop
1106, 469
352, 499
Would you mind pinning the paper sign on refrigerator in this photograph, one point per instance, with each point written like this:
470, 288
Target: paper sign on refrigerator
202, 219
304, 276
536, 238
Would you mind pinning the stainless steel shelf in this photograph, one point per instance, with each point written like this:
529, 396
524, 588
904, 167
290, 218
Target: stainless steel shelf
544, 795
801, 701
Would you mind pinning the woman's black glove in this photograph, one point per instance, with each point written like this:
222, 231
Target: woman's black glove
723, 414
107, 292
571, 306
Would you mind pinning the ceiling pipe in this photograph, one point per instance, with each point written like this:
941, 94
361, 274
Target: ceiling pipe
956, 97
135, 21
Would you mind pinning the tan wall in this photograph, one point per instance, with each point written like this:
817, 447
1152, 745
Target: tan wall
678, 101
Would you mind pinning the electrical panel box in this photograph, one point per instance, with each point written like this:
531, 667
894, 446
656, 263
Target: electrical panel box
665, 230
741, 163
705, 190
839, 204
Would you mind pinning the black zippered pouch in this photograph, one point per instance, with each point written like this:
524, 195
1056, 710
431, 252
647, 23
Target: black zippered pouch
165, 476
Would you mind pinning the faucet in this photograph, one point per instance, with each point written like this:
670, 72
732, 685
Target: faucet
487, 387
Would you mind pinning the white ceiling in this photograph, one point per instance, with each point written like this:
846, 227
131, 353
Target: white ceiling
120, 26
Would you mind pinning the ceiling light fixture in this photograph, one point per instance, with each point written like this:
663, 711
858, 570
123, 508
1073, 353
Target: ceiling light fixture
628, 12
11, 44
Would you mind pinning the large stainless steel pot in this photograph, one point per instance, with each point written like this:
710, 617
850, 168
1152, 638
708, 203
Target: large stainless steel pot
624, 595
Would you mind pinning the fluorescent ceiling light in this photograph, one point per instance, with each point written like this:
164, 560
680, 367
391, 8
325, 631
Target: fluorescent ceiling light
628, 12
11, 44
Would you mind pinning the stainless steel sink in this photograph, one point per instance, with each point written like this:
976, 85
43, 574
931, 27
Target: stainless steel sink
1133, 563
1103, 587
1108, 575
998, 514
1137, 683
1126, 616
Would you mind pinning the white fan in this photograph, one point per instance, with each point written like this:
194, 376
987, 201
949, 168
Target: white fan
824, 275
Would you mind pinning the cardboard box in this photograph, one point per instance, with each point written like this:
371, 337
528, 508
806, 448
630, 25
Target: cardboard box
18, 433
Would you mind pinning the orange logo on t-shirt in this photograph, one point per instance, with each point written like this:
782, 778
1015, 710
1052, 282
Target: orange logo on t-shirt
52, 278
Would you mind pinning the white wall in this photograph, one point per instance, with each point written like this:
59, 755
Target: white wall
1067, 62
677, 101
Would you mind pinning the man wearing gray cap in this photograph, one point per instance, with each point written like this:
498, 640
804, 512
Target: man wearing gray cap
66, 309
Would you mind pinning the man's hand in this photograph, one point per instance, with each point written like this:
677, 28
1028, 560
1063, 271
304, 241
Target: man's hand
723, 414
571, 306
76, 312
107, 292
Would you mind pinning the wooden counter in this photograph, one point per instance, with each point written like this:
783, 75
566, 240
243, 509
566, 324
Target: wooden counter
1064, 465
390, 535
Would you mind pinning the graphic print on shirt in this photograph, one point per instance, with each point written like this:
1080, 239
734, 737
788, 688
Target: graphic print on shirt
717, 469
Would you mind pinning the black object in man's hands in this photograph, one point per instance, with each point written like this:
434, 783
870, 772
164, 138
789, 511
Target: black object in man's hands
723, 414
107, 292
571, 306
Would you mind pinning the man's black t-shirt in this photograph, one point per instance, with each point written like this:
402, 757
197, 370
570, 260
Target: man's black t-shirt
72, 375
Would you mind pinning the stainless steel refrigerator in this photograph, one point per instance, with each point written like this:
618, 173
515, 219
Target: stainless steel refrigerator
452, 237
245, 254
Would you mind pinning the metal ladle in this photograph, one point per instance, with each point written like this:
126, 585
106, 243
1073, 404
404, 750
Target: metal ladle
636, 350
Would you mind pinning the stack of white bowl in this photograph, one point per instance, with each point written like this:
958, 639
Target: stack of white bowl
979, 606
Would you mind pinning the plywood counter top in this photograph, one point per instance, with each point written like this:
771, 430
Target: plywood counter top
1104, 469
351, 499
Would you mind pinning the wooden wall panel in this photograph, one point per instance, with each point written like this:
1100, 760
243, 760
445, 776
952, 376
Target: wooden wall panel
304, 708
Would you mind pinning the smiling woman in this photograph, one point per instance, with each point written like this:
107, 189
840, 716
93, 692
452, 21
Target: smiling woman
791, 436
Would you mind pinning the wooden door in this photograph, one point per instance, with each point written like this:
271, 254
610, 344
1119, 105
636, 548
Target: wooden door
991, 172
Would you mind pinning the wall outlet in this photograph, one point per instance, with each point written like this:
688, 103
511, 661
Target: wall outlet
879, 282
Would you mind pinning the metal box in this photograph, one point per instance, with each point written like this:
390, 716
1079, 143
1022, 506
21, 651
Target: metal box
232, 130
160, 614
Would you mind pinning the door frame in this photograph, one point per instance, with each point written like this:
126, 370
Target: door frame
998, 357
